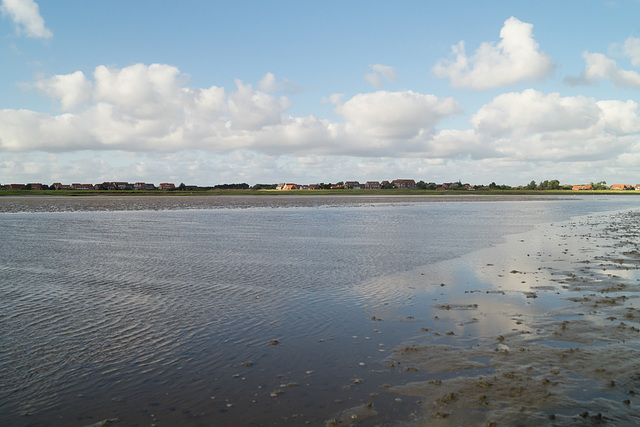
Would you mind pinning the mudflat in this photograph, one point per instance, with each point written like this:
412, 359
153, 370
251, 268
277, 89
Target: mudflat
541, 330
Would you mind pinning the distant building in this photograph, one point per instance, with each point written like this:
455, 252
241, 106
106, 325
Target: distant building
353, 185
621, 187
372, 185
582, 187
122, 185
105, 186
82, 186
166, 186
285, 186
143, 186
404, 183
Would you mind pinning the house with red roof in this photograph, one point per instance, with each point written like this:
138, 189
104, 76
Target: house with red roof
166, 186
621, 187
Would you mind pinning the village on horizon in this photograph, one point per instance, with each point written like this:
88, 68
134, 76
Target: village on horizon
407, 184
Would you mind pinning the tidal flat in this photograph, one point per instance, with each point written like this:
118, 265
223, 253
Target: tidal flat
546, 333
320, 311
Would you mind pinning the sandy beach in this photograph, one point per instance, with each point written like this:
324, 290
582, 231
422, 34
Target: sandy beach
540, 330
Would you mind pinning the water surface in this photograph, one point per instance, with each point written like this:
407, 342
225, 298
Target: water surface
226, 310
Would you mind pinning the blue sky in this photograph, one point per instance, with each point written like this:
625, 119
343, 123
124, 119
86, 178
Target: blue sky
306, 91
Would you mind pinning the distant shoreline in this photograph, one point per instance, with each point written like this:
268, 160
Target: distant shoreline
336, 192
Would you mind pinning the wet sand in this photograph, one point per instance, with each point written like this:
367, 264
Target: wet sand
542, 330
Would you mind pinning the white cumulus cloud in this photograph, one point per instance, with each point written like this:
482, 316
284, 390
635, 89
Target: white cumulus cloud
632, 50
24, 130
532, 126
619, 117
71, 89
531, 111
396, 115
601, 67
516, 58
141, 90
26, 15
252, 110
150, 110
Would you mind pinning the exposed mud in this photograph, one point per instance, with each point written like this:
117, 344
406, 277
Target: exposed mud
566, 352
352, 415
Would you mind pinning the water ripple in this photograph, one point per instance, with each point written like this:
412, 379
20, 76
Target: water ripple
102, 301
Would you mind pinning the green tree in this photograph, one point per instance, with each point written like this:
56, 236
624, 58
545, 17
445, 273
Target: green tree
602, 185
264, 187
532, 186
182, 187
242, 186
456, 185
554, 184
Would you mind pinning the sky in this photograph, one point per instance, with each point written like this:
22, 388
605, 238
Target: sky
264, 91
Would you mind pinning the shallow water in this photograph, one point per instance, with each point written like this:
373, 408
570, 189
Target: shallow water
231, 310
